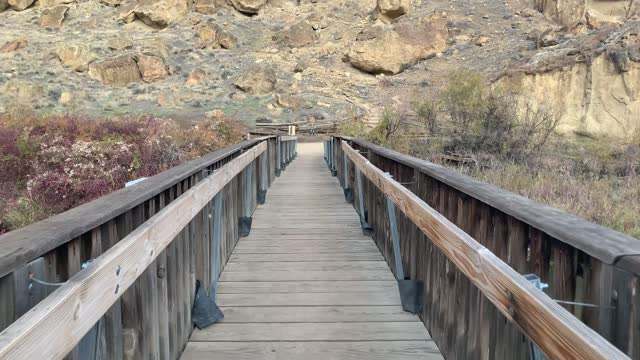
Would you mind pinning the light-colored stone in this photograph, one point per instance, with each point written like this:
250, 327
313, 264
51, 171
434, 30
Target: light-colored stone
14, 45
197, 77
52, 3
389, 51
152, 68
257, 81
565, 12
23, 90
76, 56
248, 6
161, 13
598, 20
117, 72
297, 35
388, 10
20, 5
207, 7
66, 99
214, 37
120, 44
54, 17
482, 40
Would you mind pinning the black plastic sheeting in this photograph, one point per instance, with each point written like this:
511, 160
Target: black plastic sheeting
411, 295
262, 197
367, 230
205, 311
244, 226
348, 195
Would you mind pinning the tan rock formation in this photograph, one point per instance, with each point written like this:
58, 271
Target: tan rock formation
14, 45
297, 35
388, 10
54, 17
248, 6
161, 13
214, 37
566, 12
152, 68
390, 51
76, 56
20, 5
117, 72
257, 81
197, 77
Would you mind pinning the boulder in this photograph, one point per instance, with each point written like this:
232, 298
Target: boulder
161, 13
207, 7
20, 5
126, 12
14, 45
24, 90
297, 35
117, 72
152, 68
66, 99
388, 10
257, 81
214, 37
78, 57
52, 3
53, 18
248, 6
119, 44
598, 20
196, 77
381, 50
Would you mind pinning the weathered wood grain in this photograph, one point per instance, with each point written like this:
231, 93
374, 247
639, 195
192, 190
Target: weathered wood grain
78, 304
554, 329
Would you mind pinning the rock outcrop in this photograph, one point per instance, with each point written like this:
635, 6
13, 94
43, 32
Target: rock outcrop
152, 68
23, 90
14, 45
565, 12
78, 57
155, 13
297, 35
117, 72
197, 77
20, 5
382, 50
257, 81
388, 10
207, 7
214, 37
54, 17
248, 6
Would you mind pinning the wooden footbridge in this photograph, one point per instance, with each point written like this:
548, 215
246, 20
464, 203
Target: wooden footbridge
350, 251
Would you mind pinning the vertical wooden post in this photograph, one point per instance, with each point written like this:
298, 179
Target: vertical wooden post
217, 234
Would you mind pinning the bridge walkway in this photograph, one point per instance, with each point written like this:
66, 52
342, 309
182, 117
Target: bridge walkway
306, 284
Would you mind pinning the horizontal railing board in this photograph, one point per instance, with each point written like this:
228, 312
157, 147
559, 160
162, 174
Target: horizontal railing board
598, 241
556, 331
19, 247
59, 322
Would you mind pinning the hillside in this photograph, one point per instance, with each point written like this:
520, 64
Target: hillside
280, 60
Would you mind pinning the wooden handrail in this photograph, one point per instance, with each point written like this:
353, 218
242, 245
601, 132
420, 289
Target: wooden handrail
556, 331
59, 322
19, 247
577, 232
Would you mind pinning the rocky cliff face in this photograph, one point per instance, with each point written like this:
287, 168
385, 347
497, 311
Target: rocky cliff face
293, 60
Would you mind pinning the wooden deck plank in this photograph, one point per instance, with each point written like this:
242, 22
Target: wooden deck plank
405, 350
307, 284
383, 331
315, 314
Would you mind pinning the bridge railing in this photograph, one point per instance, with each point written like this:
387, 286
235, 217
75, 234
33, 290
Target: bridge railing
116, 278
591, 271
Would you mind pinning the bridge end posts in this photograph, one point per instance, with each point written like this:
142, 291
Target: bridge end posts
278, 157
334, 171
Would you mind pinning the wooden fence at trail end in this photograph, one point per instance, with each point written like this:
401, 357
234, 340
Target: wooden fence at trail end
116, 278
470, 243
